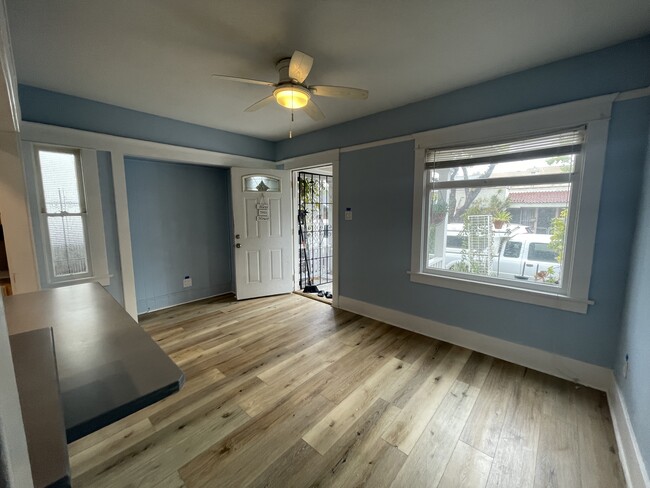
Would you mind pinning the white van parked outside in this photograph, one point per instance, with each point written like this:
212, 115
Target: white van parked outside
454, 247
528, 257
518, 255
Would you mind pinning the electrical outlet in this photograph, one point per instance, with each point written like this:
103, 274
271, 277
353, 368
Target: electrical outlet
626, 365
348, 213
187, 282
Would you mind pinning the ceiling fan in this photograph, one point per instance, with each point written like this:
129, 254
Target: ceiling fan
292, 92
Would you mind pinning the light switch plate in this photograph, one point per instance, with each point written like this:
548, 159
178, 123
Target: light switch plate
187, 282
348, 214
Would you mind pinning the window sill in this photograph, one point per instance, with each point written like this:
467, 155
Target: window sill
543, 299
102, 280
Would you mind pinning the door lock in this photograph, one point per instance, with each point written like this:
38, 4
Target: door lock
236, 236
238, 245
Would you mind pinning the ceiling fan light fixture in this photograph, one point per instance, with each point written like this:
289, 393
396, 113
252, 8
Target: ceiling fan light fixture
292, 96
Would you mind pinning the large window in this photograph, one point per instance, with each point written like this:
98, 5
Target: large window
469, 228
63, 209
508, 207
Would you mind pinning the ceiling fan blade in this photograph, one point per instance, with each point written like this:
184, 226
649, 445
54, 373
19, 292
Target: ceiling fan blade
339, 92
262, 103
243, 80
313, 111
300, 66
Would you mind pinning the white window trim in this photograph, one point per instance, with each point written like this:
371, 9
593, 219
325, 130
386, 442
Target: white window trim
98, 260
594, 113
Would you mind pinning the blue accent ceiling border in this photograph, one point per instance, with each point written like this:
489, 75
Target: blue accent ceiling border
48, 107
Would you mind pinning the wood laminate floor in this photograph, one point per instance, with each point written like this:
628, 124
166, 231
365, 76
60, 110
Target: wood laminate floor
289, 392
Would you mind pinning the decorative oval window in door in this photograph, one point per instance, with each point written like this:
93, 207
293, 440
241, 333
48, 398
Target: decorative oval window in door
261, 183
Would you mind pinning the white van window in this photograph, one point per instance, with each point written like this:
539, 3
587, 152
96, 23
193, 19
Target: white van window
512, 249
539, 251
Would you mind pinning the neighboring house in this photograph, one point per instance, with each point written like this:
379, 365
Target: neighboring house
536, 208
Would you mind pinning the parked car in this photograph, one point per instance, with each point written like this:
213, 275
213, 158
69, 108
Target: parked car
524, 256
455, 240
528, 257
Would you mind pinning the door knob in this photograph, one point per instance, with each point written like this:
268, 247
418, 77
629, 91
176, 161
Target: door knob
238, 245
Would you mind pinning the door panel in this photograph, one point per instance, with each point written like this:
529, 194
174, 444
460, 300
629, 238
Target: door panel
262, 228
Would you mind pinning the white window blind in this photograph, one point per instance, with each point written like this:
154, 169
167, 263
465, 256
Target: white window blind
550, 145
63, 207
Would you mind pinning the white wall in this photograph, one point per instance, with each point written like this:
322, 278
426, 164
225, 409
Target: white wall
15, 469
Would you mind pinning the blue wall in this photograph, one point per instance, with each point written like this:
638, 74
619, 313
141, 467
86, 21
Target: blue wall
47, 107
179, 219
618, 68
376, 249
635, 335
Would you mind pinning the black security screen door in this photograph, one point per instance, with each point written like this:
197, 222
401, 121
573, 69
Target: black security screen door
315, 212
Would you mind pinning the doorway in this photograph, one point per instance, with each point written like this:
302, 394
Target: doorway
314, 214
5, 281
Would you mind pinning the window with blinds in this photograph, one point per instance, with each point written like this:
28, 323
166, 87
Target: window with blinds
494, 197
63, 212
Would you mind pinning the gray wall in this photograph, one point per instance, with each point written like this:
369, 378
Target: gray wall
635, 335
180, 225
375, 249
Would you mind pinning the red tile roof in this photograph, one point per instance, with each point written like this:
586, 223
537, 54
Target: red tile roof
543, 196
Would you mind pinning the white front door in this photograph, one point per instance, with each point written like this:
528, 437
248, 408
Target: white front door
261, 202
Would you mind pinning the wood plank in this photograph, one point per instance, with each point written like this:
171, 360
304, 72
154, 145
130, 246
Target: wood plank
428, 459
558, 456
307, 362
414, 417
240, 458
413, 347
417, 373
107, 451
476, 369
467, 468
348, 463
359, 365
167, 451
516, 454
333, 425
484, 426
364, 454
599, 462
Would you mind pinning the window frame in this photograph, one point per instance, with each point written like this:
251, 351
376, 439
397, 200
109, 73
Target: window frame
44, 214
527, 180
92, 215
594, 115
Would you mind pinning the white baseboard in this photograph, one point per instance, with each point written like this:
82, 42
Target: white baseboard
634, 467
220, 294
580, 372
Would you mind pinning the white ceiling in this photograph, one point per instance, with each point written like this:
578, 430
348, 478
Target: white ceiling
157, 56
